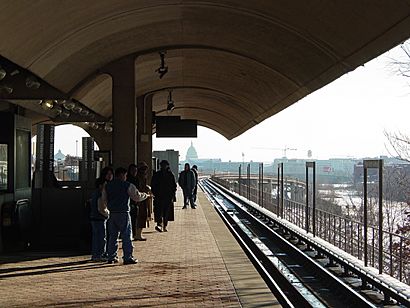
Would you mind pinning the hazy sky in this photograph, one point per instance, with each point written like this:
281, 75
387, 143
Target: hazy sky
343, 119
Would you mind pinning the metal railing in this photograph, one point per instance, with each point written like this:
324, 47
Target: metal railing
343, 231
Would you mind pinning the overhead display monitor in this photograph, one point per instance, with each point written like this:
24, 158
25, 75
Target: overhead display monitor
173, 126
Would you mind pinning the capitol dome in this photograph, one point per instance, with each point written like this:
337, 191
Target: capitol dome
191, 154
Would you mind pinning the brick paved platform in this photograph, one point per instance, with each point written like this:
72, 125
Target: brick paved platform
196, 264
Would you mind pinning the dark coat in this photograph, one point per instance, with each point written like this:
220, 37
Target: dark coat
163, 187
187, 180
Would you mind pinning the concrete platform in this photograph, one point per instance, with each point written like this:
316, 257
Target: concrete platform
196, 264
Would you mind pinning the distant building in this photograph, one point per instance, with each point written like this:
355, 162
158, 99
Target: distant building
390, 163
59, 156
334, 170
191, 154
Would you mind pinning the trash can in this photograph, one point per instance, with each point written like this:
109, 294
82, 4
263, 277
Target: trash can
16, 224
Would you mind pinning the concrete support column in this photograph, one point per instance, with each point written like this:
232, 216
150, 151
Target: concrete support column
124, 112
144, 130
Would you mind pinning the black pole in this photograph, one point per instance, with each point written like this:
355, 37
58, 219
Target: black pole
314, 200
365, 212
249, 181
307, 200
281, 189
261, 184
239, 179
380, 216
277, 191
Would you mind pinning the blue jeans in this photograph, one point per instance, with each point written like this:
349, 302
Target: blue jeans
119, 223
98, 240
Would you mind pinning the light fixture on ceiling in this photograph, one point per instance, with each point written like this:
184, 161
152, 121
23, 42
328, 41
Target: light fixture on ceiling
65, 114
58, 109
3, 73
94, 125
170, 104
77, 108
47, 104
32, 82
84, 112
6, 89
162, 69
108, 127
69, 105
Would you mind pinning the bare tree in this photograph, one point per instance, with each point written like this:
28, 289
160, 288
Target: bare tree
400, 64
399, 143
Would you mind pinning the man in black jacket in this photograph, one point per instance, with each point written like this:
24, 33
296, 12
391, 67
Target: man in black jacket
163, 187
187, 181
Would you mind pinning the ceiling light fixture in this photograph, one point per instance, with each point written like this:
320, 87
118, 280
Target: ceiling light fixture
69, 105
58, 109
84, 112
3, 73
77, 108
162, 70
65, 114
108, 127
47, 104
32, 82
6, 89
170, 104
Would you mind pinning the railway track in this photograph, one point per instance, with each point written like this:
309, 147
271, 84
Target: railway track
297, 274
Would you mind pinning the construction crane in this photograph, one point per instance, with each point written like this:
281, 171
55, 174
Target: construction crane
284, 150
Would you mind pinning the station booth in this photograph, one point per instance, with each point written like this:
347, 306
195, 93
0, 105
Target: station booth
37, 210
15, 181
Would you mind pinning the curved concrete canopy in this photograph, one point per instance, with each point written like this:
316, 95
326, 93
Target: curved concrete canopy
242, 60
97, 94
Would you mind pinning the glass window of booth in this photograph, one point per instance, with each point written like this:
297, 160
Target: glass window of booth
23, 159
3, 166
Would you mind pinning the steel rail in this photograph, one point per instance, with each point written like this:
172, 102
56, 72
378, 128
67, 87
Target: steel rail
274, 280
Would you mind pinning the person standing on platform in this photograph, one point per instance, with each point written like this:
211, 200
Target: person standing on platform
194, 195
143, 206
132, 178
98, 217
163, 188
117, 195
187, 181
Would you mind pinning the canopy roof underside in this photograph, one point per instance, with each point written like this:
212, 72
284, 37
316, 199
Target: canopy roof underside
232, 64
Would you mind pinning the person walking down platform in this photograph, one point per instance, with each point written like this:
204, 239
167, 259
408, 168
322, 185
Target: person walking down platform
143, 206
195, 170
98, 217
117, 195
187, 181
163, 188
